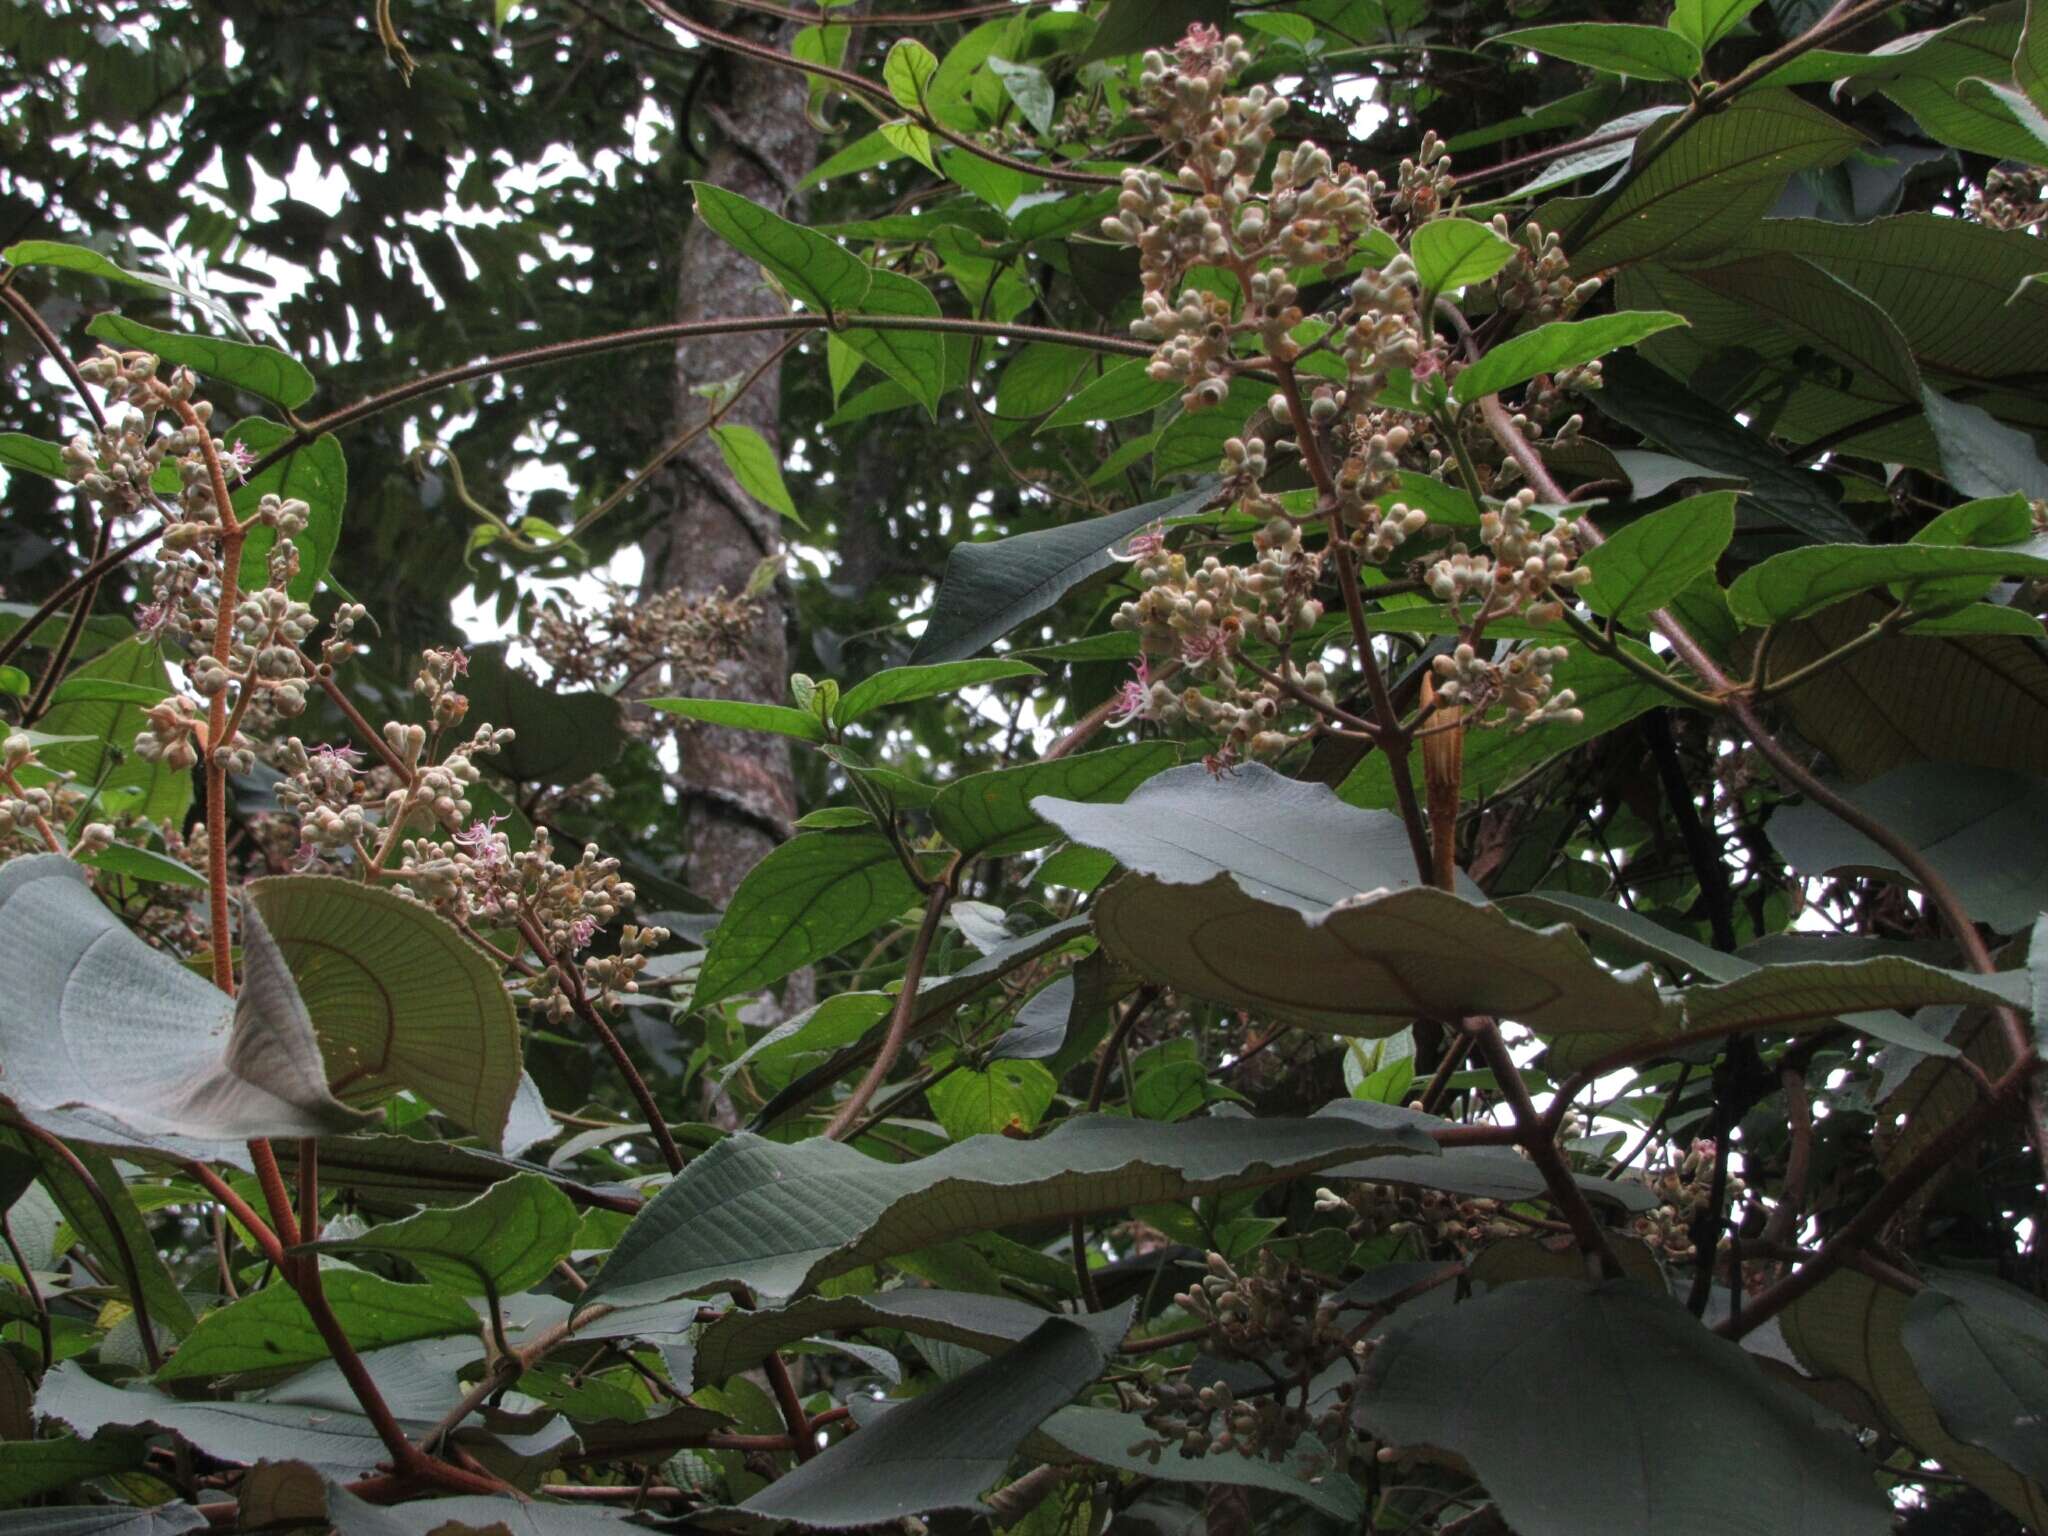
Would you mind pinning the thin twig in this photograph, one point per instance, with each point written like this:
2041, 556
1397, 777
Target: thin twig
898, 1036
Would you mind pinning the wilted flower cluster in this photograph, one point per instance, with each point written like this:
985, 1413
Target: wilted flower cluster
634, 633
1221, 254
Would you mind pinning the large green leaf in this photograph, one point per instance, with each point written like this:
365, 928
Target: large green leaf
781, 1218
1369, 965
740, 715
817, 892
902, 685
129, 781
76, 258
32, 1467
1801, 582
1560, 344
1709, 187
398, 997
1984, 830
1706, 22
1647, 564
1981, 1349
499, 1243
946, 1447
1976, 699
822, 273
263, 371
988, 589
112, 1042
272, 1330
315, 473
1616, 48
1483, 1384
465, 1513
989, 815
1850, 1327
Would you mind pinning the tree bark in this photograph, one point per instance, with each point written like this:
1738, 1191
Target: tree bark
710, 536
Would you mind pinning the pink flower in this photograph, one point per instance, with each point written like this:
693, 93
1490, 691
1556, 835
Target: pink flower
1204, 646
150, 619
581, 932
328, 756
1221, 762
241, 458
1134, 697
481, 842
1199, 46
1149, 542
458, 662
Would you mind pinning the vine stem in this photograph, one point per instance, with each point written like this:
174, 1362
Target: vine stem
34, 1292
1141, 1003
898, 1036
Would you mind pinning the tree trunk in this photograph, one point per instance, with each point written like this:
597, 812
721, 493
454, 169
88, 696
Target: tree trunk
711, 536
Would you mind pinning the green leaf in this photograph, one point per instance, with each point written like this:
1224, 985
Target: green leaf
315, 473
76, 258
1192, 443
988, 589
1452, 253
79, 688
18, 451
1980, 454
272, 1330
740, 715
1708, 189
783, 1217
1980, 1347
1983, 830
1008, 1096
1643, 566
1480, 1383
1029, 89
15, 681
1850, 1327
163, 794
914, 359
32, 1467
817, 892
262, 371
1036, 379
753, 464
1131, 26
1978, 699
864, 153
112, 1042
1706, 22
500, 1243
398, 997
1319, 916
1124, 390
989, 815
143, 864
908, 72
901, 685
1560, 344
1804, 581
1615, 48
820, 272
943, 1449
2030, 59
1643, 397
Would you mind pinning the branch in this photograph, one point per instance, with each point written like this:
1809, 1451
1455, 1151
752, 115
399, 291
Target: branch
130, 1270
899, 1022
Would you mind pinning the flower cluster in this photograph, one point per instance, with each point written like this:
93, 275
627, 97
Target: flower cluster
1281, 1318
634, 633
1683, 1189
1223, 244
